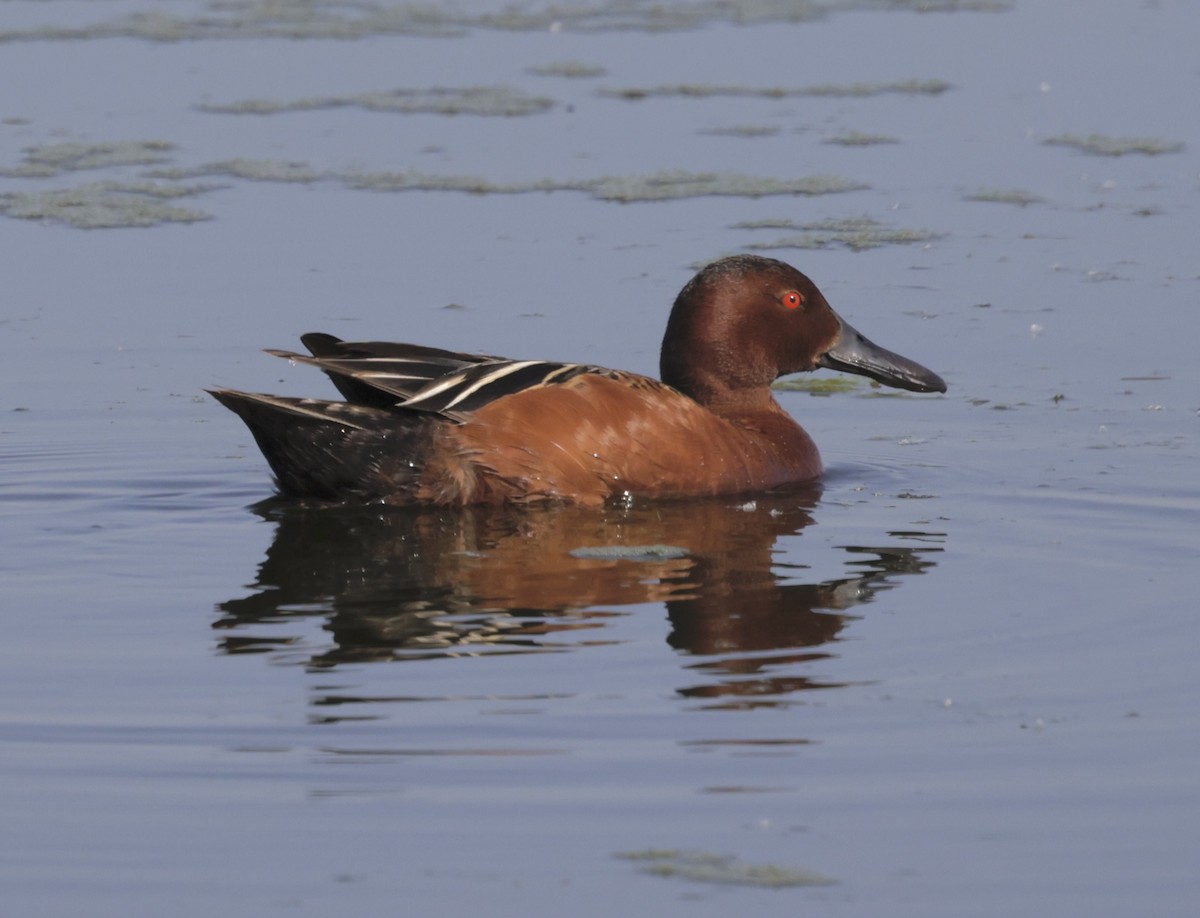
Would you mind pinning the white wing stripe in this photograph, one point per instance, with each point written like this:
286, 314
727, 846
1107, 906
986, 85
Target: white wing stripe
494, 376
434, 388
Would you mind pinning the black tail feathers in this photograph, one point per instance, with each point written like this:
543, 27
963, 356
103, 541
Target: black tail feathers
333, 450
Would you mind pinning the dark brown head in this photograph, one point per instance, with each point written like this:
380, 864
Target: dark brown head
745, 320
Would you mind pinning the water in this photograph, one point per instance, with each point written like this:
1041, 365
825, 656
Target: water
956, 679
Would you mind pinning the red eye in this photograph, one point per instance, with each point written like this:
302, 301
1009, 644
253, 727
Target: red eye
792, 300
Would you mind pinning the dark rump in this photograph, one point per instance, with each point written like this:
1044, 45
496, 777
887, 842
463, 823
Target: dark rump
331, 450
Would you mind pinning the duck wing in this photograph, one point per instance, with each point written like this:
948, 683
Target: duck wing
391, 375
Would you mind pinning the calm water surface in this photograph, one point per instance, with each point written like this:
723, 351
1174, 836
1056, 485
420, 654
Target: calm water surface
957, 678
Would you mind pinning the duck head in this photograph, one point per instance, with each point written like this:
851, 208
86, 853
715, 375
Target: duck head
745, 320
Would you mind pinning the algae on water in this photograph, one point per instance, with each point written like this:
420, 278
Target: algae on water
720, 869
859, 139
53, 159
1102, 145
1005, 196
351, 21
101, 205
817, 385
835, 90
658, 186
471, 100
574, 70
855, 233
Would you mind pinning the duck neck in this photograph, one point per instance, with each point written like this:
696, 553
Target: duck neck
748, 406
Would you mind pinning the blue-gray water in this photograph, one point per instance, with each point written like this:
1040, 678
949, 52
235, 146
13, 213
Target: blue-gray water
958, 679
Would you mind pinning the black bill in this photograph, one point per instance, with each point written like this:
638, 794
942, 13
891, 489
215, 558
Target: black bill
854, 353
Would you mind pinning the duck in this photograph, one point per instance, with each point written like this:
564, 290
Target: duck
420, 425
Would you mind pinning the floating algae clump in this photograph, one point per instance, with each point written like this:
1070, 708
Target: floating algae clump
855, 233
104, 205
1100, 145
1005, 196
859, 139
263, 170
472, 100
570, 69
347, 20
473, 184
53, 159
703, 867
663, 186
835, 90
816, 385
658, 186
743, 130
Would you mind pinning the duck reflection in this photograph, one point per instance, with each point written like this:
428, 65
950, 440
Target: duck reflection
393, 583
